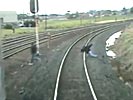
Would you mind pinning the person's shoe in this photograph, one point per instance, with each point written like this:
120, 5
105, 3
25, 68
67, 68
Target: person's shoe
30, 64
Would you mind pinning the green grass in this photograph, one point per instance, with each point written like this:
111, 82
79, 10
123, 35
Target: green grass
18, 31
63, 24
124, 49
124, 44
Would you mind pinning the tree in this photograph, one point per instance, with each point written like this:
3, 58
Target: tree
67, 14
131, 10
114, 12
72, 16
22, 16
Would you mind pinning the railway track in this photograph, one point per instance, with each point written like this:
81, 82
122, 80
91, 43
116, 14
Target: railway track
11, 46
60, 31
73, 80
35, 69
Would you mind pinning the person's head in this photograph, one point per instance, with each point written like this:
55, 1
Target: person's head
33, 43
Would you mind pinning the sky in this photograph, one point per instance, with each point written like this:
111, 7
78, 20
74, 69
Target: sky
62, 6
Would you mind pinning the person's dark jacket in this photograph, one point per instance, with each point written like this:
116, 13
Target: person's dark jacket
86, 48
33, 49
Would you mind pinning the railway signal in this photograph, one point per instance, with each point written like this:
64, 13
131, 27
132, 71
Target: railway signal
34, 8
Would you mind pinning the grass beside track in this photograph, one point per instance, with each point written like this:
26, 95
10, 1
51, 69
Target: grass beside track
63, 24
124, 50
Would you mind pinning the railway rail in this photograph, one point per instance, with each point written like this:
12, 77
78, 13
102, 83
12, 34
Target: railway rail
72, 81
60, 31
20, 43
11, 46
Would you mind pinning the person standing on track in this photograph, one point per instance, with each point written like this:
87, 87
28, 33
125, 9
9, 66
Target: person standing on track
33, 52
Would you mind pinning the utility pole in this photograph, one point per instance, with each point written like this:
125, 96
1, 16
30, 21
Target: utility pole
46, 22
37, 34
1, 23
80, 19
34, 7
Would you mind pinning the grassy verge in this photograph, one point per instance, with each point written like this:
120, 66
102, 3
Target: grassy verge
63, 24
124, 50
18, 31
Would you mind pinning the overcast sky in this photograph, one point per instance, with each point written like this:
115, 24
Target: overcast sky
62, 6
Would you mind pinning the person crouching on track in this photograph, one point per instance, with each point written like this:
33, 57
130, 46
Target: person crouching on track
88, 50
33, 52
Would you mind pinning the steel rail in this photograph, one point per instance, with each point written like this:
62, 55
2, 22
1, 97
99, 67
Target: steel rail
15, 40
25, 35
30, 41
16, 48
28, 36
21, 49
62, 63
26, 47
11, 39
65, 56
12, 42
86, 71
41, 41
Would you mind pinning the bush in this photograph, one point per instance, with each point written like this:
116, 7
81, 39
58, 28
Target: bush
29, 23
8, 26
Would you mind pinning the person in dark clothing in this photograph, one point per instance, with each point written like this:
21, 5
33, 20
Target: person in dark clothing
33, 52
33, 48
86, 48
88, 51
